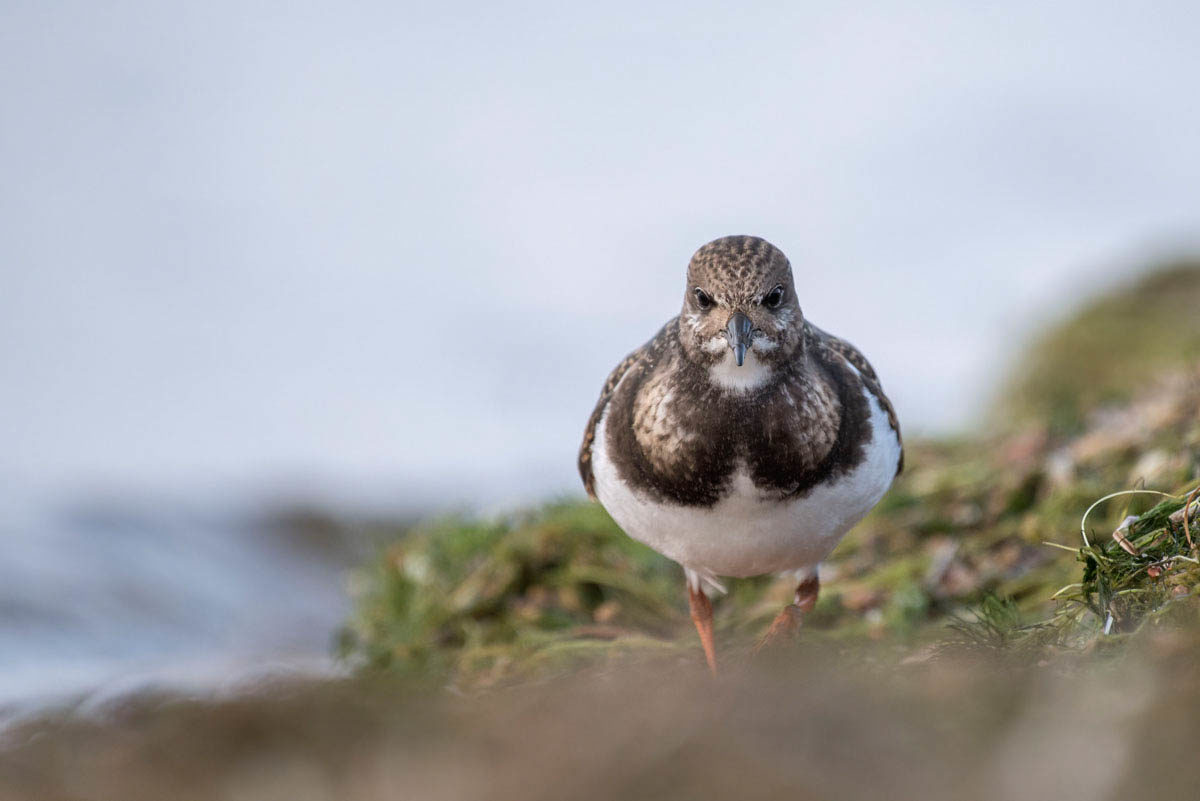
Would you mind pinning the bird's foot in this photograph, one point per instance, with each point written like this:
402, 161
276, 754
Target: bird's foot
785, 626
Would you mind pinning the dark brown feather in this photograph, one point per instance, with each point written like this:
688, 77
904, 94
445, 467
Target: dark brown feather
589, 433
855, 357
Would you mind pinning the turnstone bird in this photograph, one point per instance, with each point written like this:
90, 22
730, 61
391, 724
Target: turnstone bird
742, 439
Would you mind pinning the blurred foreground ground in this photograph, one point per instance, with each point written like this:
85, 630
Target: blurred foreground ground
807, 723
969, 643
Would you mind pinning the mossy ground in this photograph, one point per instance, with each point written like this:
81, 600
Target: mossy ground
480, 602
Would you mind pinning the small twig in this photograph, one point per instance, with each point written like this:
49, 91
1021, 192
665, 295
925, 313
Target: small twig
1187, 532
1158, 568
1130, 591
1157, 538
1122, 540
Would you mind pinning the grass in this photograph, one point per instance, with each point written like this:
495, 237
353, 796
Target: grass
481, 599
1141, 572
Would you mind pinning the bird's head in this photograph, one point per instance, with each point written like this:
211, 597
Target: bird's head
740, 317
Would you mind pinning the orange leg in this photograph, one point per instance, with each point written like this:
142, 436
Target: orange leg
702, 616
787, 622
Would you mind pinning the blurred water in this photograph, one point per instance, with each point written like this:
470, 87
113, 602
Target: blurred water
104, 598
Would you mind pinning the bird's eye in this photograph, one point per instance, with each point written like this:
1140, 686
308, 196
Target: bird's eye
774, 298
703, 300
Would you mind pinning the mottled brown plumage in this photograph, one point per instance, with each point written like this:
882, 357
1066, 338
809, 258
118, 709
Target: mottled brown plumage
787, 430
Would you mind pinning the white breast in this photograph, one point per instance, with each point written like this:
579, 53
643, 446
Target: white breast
747, 533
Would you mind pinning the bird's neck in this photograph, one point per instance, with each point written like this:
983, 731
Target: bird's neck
751, 375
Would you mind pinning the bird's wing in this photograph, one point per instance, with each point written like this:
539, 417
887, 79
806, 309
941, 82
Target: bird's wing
855, 358
589, 434
644, 358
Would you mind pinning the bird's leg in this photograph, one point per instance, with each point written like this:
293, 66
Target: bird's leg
787, 622
702, 616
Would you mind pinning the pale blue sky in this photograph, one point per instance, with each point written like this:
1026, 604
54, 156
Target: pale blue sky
393, 249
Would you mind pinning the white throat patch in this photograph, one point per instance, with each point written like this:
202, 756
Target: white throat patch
751, 375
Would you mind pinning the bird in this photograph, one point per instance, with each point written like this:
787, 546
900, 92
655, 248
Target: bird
741, 439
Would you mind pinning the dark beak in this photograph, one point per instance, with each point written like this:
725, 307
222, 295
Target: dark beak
739, 328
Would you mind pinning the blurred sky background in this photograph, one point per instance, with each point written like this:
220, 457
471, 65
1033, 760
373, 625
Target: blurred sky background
384, 255
391, 250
